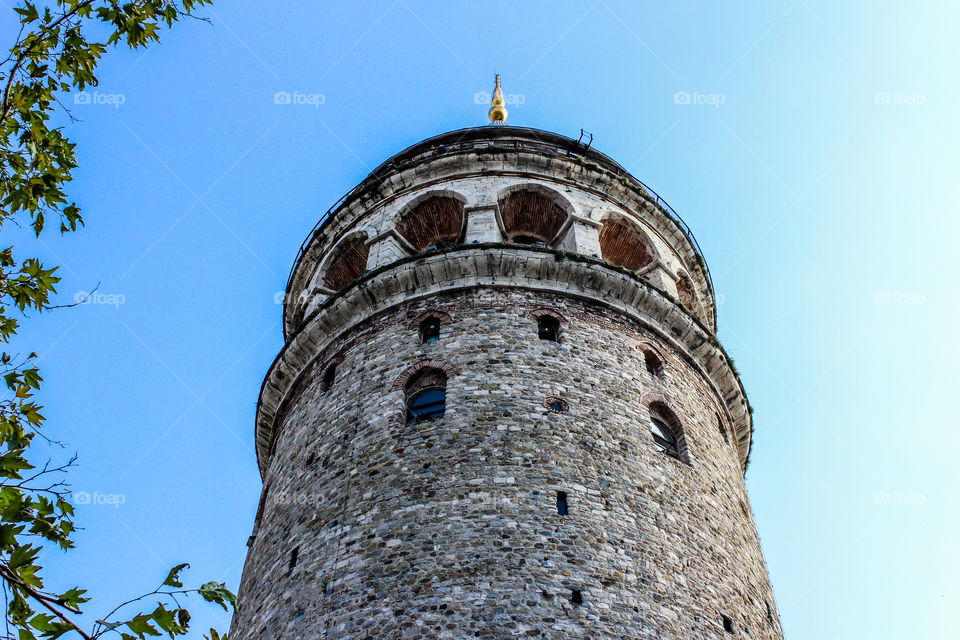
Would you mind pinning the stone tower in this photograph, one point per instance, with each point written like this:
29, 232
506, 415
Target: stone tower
501, 411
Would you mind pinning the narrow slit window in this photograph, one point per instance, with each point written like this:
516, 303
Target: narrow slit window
576, 597
330, 375
548, 328
430, 330
562, 503
723, 431
293, 560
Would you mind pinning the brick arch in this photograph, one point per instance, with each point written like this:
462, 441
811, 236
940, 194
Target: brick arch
427, 363
442, 316
624, 243
535, 314
532, 210
347, 261
434, 218
644, 345
650, 350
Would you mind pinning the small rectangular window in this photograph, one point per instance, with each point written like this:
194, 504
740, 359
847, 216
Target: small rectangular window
576, 597
562, 503
548, 328
429, 330
727, 624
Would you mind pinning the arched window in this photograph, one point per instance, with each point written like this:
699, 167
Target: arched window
531, 217
664, 438
622, 243
653, 363
434, 223
427, 405
426, 396
548, 328
330, 375
348, 263
666, 432
430, 330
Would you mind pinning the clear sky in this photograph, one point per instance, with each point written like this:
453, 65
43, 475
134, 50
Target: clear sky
816, 162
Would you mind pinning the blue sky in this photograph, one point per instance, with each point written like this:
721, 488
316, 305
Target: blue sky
815, 162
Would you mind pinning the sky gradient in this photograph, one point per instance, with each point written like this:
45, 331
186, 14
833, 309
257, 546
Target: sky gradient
810, 145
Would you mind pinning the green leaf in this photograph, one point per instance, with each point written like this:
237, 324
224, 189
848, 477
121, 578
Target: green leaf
217, 592
173, 578
141, 627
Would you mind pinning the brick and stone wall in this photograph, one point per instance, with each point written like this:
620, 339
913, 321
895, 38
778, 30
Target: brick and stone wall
539, 505
450, 529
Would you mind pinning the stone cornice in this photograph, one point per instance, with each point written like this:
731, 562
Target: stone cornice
501, 266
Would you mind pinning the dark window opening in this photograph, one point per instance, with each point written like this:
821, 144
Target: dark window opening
528, 240
293, 560
429, 330
653, 363
562, 503
429, 404
723, 431
727, 624
576, 597
664, 438
548, 328
769, 614
330, 375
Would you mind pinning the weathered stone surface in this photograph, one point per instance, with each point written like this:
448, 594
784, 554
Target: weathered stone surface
373, 527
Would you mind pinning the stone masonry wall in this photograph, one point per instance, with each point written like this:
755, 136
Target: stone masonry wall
372, 528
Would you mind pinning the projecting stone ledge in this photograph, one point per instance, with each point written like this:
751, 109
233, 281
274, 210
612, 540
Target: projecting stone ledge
479, 266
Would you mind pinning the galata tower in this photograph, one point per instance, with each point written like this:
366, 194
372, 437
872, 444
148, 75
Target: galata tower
501, 411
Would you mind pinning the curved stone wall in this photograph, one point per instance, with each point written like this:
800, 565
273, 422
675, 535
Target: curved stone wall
590, 487
490, 180
374, 528
499, 266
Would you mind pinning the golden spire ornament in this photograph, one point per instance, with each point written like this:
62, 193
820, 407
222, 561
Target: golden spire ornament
498, 110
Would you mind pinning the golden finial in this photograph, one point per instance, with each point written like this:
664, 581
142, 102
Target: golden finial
498, 112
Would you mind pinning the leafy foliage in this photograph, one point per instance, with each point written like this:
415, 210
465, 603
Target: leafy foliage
51, 56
